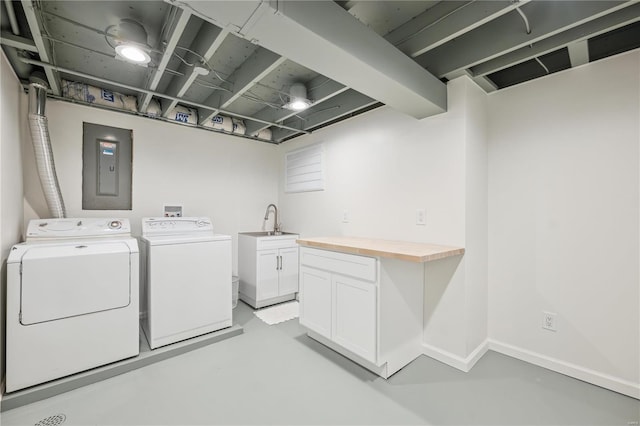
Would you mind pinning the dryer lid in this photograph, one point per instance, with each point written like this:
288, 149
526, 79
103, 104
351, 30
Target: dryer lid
176, 226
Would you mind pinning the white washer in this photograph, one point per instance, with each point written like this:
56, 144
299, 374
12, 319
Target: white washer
72, 299
187, 276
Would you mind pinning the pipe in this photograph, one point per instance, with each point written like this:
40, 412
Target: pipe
524, 18
542, 65
42, 147
153, 93
11, 13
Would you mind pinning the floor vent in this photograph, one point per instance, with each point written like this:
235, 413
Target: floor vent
56, 420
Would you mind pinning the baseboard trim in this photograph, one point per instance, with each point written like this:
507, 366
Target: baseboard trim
606, 381
453, 360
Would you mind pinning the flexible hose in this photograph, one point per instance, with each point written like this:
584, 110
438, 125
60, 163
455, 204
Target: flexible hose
38, 126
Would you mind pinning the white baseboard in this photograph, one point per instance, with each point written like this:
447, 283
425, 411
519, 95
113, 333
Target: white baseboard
453, 360
606, 381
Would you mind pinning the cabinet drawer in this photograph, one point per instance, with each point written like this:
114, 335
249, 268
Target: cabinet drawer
276, 243
340, 263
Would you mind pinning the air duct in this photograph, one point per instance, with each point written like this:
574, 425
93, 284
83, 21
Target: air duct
39, 129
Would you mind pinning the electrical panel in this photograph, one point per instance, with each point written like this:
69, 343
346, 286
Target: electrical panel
106, 167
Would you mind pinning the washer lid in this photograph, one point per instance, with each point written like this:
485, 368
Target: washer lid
75, 228
176, 225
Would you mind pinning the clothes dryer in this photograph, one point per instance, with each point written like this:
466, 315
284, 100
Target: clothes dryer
187, 279
72, 299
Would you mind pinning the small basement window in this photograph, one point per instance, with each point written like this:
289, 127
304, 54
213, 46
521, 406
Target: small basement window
304, 169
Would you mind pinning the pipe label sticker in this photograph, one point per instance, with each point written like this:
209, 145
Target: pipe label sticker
107, 95
182, 117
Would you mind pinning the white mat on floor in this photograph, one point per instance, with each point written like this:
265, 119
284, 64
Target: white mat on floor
279, 313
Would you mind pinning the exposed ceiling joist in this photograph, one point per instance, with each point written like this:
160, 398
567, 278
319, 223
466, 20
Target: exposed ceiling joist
254, 69
18, 42
43, 51
547, 18
349, 61
338, 106
444, 22
208, 40
320, 89
173, 39
159, 95
352, 54
617, 19
579, 53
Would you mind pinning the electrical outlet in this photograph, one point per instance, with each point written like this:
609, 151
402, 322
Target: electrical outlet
421, 217
345, 216
549, 321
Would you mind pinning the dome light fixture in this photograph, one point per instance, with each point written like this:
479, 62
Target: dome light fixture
298, 98
132, 53
131, 42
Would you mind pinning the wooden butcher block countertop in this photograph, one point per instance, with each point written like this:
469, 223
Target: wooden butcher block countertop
402, 250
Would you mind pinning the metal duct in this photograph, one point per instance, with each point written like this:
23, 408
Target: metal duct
39, 129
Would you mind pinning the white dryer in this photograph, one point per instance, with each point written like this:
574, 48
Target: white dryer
72, 299
187, 279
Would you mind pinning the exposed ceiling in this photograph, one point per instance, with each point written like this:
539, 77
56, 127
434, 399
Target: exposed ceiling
216, 60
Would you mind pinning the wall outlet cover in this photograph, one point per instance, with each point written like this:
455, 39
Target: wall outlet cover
421, 217
549, 321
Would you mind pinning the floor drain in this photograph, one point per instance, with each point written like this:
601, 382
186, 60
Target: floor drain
58, 419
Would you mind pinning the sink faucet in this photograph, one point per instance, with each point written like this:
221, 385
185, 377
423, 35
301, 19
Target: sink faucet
276, 225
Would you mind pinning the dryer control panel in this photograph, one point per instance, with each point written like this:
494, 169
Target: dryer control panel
46, 229
176, 225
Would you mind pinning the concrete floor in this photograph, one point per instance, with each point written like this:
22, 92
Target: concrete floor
277, 375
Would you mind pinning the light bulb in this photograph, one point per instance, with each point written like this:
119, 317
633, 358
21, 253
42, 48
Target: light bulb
299, 105
133, 53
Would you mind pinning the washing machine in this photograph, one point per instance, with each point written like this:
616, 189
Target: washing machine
187, 279
72, 299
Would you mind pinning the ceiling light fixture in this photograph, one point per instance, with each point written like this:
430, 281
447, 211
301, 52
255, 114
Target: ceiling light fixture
298, 98
131, 42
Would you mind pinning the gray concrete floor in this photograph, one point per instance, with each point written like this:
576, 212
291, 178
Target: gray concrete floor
277, 375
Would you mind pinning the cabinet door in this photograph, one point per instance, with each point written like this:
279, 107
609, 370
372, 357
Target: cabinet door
354, 316
315, 300
266, 274
288, 270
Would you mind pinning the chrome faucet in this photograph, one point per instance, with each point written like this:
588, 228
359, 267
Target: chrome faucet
276, 225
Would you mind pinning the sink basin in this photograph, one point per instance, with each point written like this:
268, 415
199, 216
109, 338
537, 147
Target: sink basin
267, 234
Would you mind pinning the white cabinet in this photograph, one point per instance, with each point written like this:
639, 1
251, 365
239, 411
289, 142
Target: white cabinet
366, 308
353, 322
267, 268
315, 306
338, 294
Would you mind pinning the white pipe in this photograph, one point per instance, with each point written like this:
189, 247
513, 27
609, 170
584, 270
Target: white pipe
11, 13
42, 148
542, 65
524, 18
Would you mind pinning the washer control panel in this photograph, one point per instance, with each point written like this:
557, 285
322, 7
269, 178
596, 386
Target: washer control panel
43, 229
175, 225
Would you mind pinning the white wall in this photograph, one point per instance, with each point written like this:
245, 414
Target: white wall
476, 213
381, 166
230, 179
564, 221
11, 193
